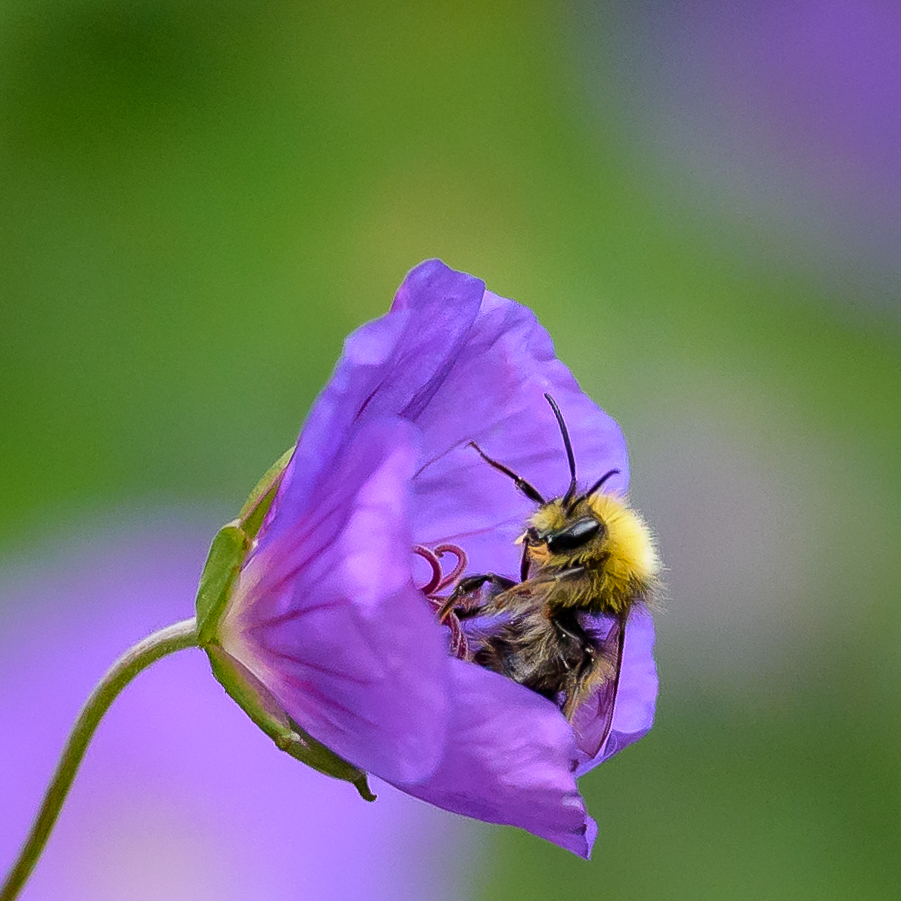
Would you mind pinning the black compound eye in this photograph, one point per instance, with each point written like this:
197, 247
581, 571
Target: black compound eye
574, 536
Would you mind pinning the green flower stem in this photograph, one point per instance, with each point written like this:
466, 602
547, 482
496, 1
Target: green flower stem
133, 661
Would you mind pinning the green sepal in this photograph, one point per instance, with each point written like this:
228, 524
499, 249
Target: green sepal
258, 703
228, 552
230, 548
260, 499
221, 571
315, 754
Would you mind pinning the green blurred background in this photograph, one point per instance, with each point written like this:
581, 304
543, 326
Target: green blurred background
198, 200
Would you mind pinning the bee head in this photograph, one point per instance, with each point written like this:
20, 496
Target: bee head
589, 525
586, 528
565, 531
600, 529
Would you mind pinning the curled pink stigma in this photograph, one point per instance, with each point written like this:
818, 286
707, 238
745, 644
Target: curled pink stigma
439, 581
431, 558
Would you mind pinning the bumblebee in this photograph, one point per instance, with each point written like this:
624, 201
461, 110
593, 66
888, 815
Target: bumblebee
587, 558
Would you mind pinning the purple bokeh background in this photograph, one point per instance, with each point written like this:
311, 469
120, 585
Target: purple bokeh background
774, 125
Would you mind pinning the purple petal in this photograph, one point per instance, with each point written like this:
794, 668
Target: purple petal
390, 367
510, 759
494, 395
462, 364
327, 616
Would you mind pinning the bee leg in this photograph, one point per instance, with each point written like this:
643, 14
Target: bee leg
568, 627
583, 668
471, 584
460, 598
580, 684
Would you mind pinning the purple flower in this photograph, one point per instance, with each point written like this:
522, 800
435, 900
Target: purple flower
329, 614
179, 795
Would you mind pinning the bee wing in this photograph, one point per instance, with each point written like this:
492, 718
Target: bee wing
594, 717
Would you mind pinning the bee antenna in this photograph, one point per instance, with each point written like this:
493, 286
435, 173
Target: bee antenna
571, 491
600, 482
528, 490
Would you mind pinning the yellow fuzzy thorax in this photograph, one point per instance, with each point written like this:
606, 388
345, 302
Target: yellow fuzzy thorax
621, 565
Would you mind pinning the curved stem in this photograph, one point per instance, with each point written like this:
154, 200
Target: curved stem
133, 661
